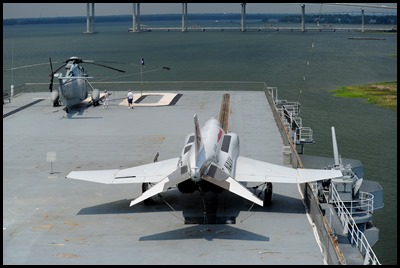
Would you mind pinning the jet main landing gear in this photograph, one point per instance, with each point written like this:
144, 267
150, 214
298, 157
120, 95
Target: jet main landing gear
268, 195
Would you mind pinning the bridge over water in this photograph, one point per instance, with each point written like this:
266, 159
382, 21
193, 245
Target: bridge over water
330, 28
136, 27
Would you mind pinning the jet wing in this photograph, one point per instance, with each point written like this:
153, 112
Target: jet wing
251, 170
153, 172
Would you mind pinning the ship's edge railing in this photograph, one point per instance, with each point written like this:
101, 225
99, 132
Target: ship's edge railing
357, 237
370, 257
331, 252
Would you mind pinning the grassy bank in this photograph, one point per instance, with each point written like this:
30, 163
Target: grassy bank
381, 94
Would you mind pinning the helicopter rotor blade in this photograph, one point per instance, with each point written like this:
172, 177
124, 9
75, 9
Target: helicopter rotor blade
102, 65
27, 66
52, 74
58, 68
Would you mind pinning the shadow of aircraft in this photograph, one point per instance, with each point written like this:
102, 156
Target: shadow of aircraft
207, 232
77, 111
195, 208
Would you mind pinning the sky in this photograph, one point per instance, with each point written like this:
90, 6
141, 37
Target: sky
38, 10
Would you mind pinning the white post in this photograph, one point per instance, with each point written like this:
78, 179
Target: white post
243, 17
141, 74
87, 18
12, 69
93, 30
134, 18
362, 20
184, 15
303, 28
138, 17
51, 157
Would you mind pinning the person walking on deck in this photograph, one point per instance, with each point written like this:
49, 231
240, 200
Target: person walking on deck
130, 99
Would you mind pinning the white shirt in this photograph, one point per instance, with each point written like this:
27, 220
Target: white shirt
130, 95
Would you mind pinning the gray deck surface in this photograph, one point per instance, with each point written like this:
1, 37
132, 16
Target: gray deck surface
48, 219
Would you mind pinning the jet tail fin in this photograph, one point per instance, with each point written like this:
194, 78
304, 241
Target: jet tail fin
179, 175
197, 137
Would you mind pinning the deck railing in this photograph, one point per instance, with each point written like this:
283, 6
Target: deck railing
357, 238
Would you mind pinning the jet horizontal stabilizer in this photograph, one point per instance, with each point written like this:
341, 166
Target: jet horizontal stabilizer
178, 176
218, 177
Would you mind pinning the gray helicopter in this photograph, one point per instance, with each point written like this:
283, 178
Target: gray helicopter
73, 87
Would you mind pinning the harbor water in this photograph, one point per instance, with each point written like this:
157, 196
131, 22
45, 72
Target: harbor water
304, 66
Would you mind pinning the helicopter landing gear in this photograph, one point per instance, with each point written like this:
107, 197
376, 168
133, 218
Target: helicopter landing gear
95, 103
268, 195
56, 103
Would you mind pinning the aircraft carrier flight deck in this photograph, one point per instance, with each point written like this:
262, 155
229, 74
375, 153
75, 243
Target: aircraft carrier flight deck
48, 219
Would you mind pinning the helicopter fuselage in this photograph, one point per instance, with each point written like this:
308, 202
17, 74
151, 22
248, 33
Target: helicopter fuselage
73, 87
